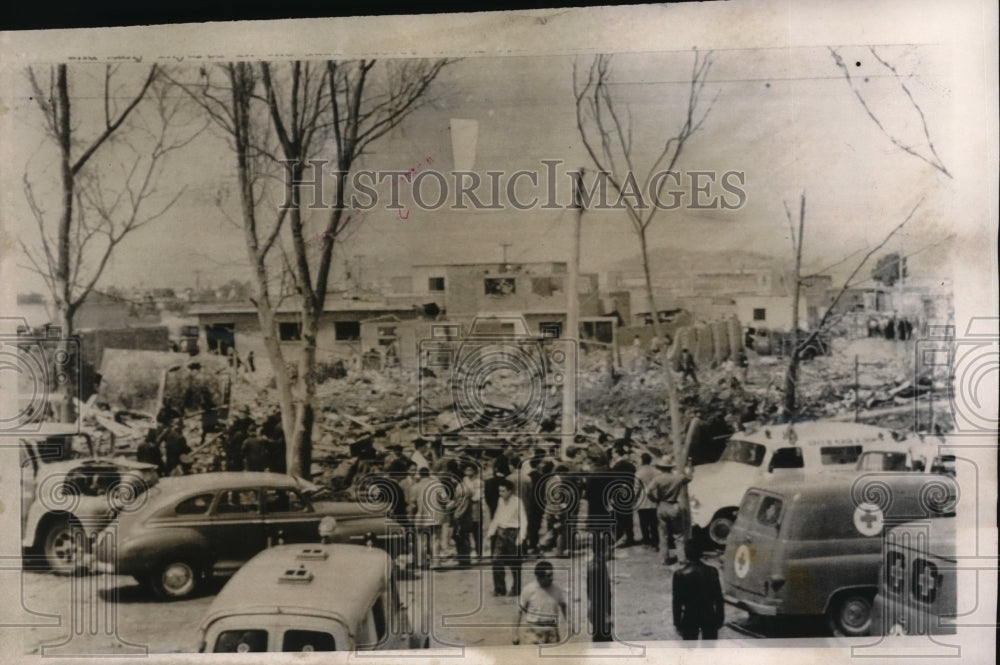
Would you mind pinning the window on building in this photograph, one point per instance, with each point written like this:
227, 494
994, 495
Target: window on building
499, 286
759, 314
446, 331
347, 331
290, 331
546, 286
550, 329
600, 331
435, 284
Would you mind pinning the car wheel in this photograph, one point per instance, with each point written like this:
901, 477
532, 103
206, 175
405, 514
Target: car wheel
175, 579
720, 526
851, 614
63, 545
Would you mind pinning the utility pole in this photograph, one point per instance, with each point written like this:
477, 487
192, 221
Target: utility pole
357, 270
572, 332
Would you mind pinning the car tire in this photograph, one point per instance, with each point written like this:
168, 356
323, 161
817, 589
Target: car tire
850, 614
177, 579
62, 545
718, 529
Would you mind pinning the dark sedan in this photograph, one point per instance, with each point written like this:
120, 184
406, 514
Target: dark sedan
194, 526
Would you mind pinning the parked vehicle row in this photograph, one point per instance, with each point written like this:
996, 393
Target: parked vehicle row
792, 450
819, 548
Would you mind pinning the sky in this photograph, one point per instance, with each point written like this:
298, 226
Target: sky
784, 118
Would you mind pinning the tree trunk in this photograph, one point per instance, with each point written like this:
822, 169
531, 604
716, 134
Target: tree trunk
300, 451
673, 403
792, 375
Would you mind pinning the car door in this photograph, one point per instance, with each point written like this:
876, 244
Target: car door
288, 517
753, 541
236, 527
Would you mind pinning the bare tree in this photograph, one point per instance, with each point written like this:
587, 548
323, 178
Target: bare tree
799, 346
289, 115
605, 126
101, 201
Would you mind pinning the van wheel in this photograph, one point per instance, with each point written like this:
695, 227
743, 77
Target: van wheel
63, 545
175, 579
720, 526
851, 614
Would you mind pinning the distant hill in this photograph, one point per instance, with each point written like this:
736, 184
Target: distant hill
670, 260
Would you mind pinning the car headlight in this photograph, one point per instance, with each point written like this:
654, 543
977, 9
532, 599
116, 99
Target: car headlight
695, 504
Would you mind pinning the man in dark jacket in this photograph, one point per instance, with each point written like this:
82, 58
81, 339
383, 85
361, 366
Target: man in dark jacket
174, 447
698, 604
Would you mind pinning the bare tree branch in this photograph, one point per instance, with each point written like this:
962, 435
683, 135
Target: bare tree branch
933, 161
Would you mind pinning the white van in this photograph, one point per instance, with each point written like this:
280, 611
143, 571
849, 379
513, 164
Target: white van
752, 458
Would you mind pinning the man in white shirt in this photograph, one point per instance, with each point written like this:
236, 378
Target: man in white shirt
421, 454
539, 607
507, 533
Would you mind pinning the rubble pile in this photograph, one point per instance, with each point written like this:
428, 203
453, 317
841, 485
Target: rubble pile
362, 411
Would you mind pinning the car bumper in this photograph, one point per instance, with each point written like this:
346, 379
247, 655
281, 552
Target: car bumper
751, 606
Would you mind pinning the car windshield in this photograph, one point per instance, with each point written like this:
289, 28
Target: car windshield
743, 452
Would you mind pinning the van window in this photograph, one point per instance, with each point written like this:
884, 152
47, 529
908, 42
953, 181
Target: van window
786, 458
770, 511
241, 641
378, 613
749, 505
924, 584
883, 461
895, 571
743, 452
839, 454
307, 640
366, 632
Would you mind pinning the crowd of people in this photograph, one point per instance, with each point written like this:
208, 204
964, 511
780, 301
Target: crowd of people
507, 504
246, 444
900, 328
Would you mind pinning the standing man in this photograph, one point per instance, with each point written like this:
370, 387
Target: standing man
473, 485
647, 507
254, 450
595, 490
688, 367
507, 534
149, 452
600, 603
235, 435
624, 472
665, 490
174, 447
697, 596
250, 362
539, 607
421, 454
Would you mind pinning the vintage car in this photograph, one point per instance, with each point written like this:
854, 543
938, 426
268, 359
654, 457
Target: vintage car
65, 504
194, 526
917, 586
773, 450
814, 548
312, 598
